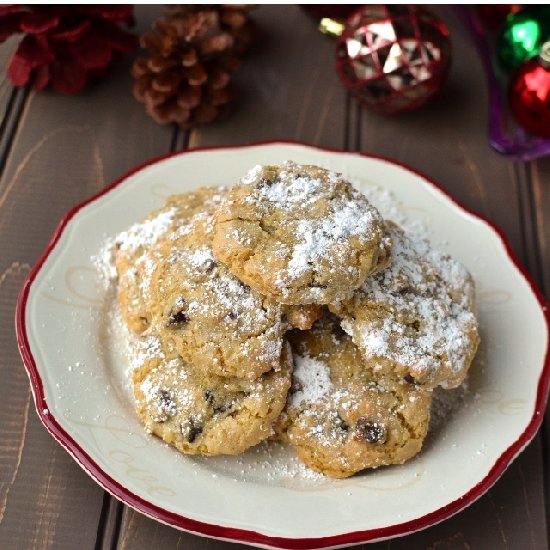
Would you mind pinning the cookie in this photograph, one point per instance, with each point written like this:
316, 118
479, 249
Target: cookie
170, 282
200, 413
417, 317
215, 321
343, 418
135, 247
300, 234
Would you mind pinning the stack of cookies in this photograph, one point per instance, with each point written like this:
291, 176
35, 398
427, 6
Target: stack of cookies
285, 306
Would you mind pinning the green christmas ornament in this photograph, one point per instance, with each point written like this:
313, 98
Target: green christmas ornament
522, 35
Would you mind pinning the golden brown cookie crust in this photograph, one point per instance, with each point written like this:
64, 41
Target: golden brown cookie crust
135, 250
205, 414
341, 416
214, 320
300, 234
415, 318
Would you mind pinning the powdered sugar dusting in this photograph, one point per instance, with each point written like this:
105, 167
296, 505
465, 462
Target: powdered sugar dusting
147, 232
134, 349
302, 190
213, 293
104, 262
270, 462
391, 209
314, 221
143, 349
317, 238
312, 377
427, 299
200, 258
251, 175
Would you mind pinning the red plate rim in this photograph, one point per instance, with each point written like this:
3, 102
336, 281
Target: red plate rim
242, 535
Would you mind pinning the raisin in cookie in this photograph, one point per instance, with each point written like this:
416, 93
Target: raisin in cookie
135, 250
205, 414
340, 416
300, 234
416, 318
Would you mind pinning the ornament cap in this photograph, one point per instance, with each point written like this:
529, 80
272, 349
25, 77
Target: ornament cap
544, 55
331, 27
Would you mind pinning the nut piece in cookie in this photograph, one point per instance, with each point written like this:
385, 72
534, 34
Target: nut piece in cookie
415, 318
205, 414
341, 416
300, 234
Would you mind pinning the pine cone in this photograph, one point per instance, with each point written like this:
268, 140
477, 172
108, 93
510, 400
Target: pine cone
194, 49
65, 47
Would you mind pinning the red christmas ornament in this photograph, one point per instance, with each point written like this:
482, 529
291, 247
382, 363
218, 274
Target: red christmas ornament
65, 46
529, 94
393, 58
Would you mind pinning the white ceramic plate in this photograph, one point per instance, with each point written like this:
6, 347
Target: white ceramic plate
78, 386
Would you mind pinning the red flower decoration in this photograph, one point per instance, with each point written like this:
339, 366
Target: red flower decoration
65, 47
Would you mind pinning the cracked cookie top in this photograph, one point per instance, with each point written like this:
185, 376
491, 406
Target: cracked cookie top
340, 415
201, 413
298, 233
214, 320
416, 318
136, 247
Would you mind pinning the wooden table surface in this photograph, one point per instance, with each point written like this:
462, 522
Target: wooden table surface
56, 151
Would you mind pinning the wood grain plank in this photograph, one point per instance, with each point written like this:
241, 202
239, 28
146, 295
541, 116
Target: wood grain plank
65, 149
288, 85
540, 187
6, 50
12, 101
